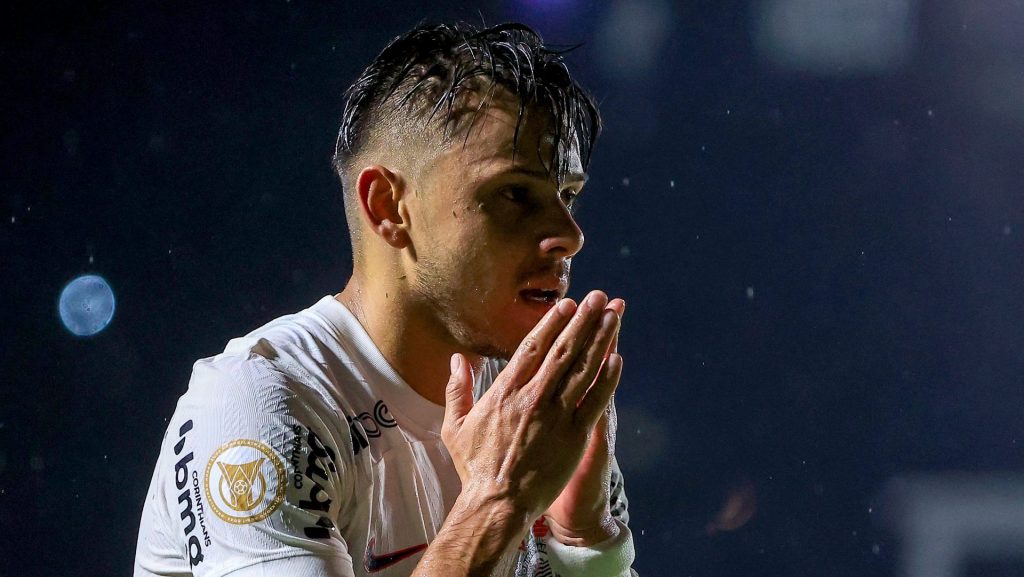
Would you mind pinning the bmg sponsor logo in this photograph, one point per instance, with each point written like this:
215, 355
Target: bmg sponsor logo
190, 498
309, 471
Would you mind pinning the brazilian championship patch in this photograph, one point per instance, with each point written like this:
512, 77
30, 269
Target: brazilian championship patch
244, 481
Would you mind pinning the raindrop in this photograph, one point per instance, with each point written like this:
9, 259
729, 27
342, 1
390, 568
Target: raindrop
86, 305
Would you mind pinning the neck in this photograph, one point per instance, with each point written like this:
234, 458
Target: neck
415, 346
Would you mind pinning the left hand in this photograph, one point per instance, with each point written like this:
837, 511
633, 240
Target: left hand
581, 515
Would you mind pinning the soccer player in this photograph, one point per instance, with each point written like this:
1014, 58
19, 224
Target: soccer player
450, 412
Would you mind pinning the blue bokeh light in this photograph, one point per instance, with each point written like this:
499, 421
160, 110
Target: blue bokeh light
86, 305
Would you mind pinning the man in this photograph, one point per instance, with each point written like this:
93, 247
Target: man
449, 412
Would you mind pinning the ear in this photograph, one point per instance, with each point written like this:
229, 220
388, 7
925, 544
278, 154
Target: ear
381, 196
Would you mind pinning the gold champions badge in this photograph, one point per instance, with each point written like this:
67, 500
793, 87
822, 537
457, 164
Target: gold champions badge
243, 482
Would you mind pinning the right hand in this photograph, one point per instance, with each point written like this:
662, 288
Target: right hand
523, 439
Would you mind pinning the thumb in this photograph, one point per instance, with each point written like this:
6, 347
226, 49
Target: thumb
458, 394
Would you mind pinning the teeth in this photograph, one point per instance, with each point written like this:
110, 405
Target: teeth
539, 296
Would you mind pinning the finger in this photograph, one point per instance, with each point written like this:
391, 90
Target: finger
595, 455
531, 352
588, 364
619, 306
599, 395
599, 438
572, 340
458, 394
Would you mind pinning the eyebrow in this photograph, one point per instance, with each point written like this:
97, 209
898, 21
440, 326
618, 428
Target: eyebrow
570, 177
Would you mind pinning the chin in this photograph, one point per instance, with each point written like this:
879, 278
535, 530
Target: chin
501, 336
500, 342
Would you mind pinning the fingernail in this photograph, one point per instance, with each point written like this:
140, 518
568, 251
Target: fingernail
456, 362
609, 320
565, 306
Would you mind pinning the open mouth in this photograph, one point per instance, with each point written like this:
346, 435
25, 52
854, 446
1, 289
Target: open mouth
540, 296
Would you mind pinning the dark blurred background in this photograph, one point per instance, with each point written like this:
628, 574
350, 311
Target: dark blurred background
812, 207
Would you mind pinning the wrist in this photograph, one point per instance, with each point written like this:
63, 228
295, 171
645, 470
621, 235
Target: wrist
584, 536
611, 558
489, 510
478, 531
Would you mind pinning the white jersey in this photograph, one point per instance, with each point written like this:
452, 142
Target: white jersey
300, 451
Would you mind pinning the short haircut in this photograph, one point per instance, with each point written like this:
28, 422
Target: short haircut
434, 68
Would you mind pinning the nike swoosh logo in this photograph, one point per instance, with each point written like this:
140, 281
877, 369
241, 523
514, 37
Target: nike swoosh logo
373, 563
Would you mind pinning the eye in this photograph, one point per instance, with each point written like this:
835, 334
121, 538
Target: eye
517, 194
570, 197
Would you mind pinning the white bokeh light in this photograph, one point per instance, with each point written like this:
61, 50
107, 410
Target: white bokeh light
835, 38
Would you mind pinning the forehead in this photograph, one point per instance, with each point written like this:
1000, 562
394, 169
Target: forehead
490, 144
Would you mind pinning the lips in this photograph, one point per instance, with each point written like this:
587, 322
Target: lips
545, 285
540, 296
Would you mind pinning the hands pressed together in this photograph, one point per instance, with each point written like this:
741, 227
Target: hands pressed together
542, 437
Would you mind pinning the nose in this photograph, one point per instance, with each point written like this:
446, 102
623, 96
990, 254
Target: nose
563, 237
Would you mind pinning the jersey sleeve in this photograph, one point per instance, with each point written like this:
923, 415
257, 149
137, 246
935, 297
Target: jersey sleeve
254, 480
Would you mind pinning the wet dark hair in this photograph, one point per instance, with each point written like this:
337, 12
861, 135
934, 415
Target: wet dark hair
432, 68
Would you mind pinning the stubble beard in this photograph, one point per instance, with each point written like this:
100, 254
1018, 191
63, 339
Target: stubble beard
449, 305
